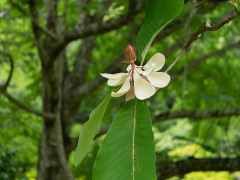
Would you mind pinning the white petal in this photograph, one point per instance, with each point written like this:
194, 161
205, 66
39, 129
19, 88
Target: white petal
117, 82
112, 76
158, 59
159, 79
142, 88
124, 89
129, 68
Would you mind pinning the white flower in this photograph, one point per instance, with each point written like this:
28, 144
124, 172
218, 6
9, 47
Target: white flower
140, 81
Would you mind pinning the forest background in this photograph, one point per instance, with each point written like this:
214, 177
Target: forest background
51, 56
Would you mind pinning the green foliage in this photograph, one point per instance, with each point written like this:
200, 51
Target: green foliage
213, 84
127, 151
90, 129
10, 168
158, 13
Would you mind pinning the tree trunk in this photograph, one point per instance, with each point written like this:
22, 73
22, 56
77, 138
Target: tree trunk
52, 163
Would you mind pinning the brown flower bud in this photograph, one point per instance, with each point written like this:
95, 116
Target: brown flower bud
130, 54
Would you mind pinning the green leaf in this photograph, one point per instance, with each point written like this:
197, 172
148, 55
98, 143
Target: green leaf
123, 142
90, 129
158, 13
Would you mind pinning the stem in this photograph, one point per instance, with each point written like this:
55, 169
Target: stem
133, 66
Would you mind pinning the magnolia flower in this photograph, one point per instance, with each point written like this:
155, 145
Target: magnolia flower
139, 81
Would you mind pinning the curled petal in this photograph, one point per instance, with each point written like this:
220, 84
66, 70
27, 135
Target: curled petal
159, 79
117, 82
112, 76
124, 89
142, 88
146, 71
158, 59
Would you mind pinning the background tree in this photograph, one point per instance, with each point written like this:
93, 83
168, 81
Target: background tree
52, 53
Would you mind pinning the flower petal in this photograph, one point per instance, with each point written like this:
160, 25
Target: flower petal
146, 71
142, 88
129, 68
159, 79
117, 82
158, 59
124, 89
112, 76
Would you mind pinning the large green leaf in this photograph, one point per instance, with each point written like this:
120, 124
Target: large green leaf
158, 13
123, 142
90, 129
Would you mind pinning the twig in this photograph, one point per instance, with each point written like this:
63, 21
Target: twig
201, 3
175, 61
184, 81
48, 33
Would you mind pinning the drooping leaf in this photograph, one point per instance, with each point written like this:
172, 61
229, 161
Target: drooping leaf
158, 13
127, 152
90, 129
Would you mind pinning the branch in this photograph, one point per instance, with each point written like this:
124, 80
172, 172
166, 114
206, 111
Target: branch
102, 27
193, 114
97, 28
84, 15
205, 27
191, 164
84, 56
204, 58
176, 25
34, 14
197, 115
82, 62
27, 108
52, 16
34, 21
4, 87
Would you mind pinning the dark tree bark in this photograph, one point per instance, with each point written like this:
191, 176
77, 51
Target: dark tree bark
191, 164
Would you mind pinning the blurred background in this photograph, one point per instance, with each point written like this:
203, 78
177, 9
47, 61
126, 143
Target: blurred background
203, 99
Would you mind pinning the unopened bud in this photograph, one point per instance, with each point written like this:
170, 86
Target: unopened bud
130, 54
